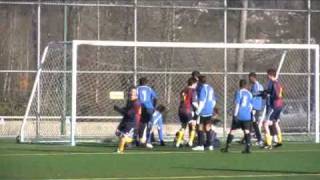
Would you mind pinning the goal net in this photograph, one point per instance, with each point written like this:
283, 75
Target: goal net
79, 83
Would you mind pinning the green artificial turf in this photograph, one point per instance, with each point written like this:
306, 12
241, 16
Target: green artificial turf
93, 161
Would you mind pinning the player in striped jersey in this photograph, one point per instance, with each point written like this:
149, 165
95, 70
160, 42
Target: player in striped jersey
131, 117
186, 111
275, 105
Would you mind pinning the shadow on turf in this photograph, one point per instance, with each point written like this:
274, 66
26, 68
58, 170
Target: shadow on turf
249, 170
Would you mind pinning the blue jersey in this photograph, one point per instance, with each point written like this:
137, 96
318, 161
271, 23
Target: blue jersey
243, 102
206, 99
257, 101
146, 96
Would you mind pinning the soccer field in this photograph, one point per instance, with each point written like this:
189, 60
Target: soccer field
92, 161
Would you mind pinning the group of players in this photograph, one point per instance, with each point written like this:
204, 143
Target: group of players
254, 107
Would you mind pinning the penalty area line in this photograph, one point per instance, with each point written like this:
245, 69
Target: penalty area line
149, 153
197, 177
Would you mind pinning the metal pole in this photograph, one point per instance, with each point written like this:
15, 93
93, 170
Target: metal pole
309, 68
225, 117
317, 94
38, 67
74, 93
65, 34
135, 40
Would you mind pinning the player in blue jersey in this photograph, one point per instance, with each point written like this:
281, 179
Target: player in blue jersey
156, 124
258, 106
206, 104
242, 116
131, 116
148, 99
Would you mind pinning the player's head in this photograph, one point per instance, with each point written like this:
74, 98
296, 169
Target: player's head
252, 77
192, 82
195, 75
133, 93
143, 81
161, 108
243, 83
271, 74
202, 79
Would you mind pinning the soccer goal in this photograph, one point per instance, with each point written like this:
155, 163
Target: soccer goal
79, 82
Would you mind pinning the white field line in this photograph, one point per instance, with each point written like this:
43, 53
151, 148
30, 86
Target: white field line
199, 177
147, 153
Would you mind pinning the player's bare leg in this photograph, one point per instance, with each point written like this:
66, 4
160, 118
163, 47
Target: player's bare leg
180, 137
247, 138
200, 146
122, 143
192, 133
209, 133
279, 134
229, 141
268, 137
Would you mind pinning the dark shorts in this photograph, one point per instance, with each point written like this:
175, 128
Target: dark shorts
274, 114
127, 128
146, 114
244, 125
205, 120
185, 117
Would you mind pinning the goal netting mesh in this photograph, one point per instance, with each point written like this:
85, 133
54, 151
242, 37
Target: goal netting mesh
103, 67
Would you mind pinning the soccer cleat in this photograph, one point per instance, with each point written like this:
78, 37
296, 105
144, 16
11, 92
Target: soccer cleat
210, 148
278, 145
162, 143
224, 150
190, 144
149, 146
198, 148
267, 147
177, 145
259, 143
119, 152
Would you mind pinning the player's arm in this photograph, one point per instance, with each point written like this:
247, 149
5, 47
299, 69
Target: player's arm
120, 110
195, 102
237, 104
202, 100
137, 110
154, 97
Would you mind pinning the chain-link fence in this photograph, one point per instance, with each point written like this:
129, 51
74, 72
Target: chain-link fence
28, 26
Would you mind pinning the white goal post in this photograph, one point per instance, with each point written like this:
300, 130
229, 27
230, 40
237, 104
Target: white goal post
70, 72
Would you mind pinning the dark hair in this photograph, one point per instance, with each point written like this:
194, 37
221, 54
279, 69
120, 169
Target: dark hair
161, 108
253, 74
202, 79
242, 83
191, 81
195, 74
272, 72
143, 81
